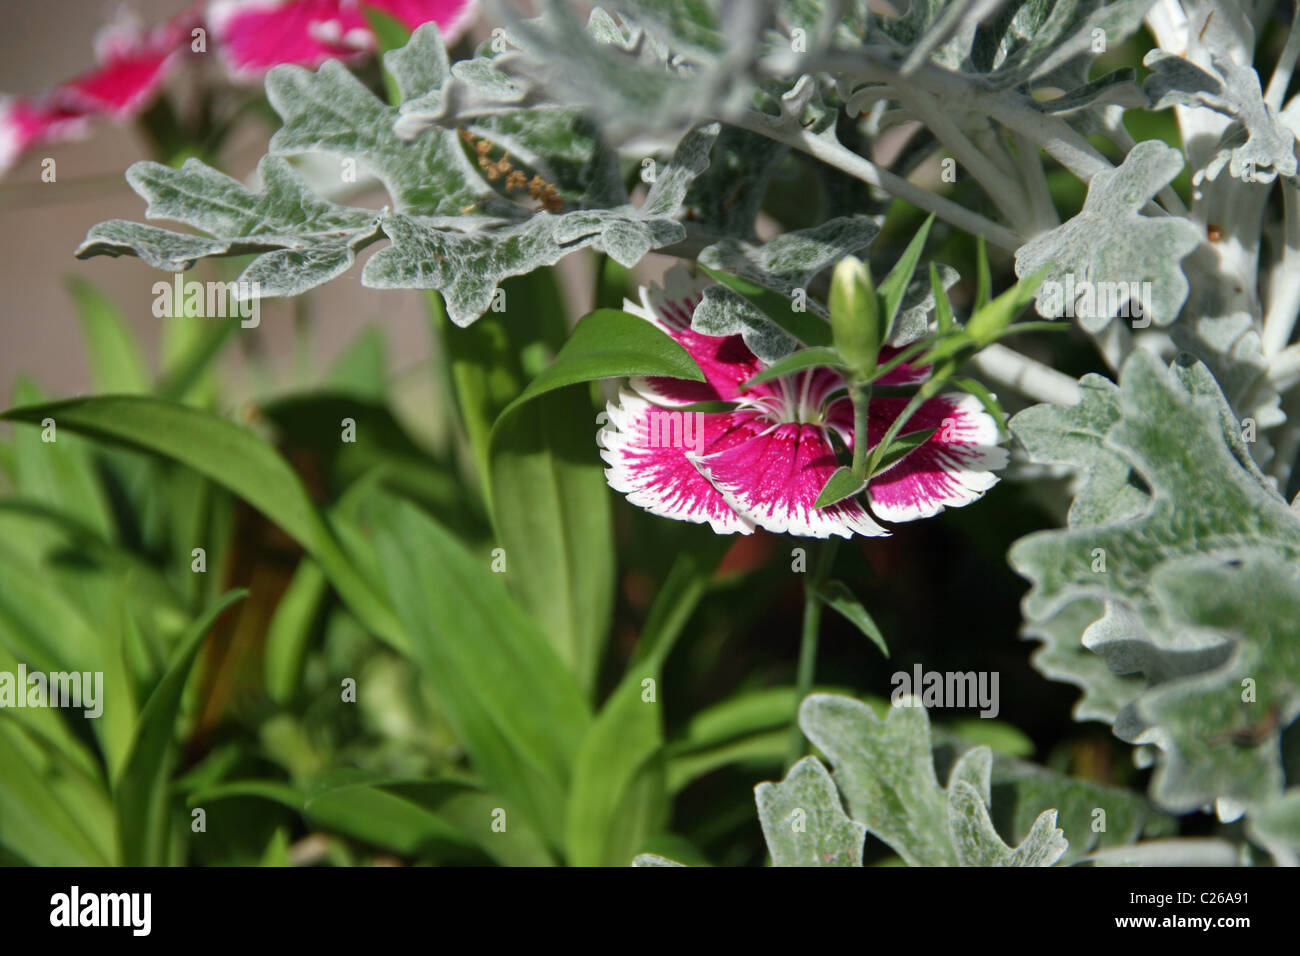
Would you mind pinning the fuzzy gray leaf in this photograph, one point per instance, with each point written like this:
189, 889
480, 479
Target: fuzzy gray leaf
803, 822
1110, 252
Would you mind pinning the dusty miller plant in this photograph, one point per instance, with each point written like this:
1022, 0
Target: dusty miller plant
1171, 596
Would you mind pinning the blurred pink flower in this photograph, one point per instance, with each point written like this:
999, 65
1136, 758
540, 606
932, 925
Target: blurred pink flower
255, 35
132, 63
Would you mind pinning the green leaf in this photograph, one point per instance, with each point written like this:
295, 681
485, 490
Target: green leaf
51, 812
295, 619
994, 320
210, 445
836, 594
515, 707
900, 447
986, 398
115, 360
610, 343
390, 34
141, 792
803, 822
797, 362
895, 285
843, 483
620, 786
552, 515
943, 307
550, 501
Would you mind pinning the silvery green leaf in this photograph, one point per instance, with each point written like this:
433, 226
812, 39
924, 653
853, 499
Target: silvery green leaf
1276, 827
977, 843
1174, 443
1188, 851
803, 822
726, 197
1074, 435
654, 859
1117, 88
886, 773
1109, 242
1219, 743
1062, 656
1090, 815
303, 240
1198, 588
786, 264
466, 260
913, 319
449, 229
1262, 145
331, 111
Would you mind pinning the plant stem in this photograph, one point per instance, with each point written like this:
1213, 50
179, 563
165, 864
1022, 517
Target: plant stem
812, 619
861, 397
1284, 289
847, 161
1007, 367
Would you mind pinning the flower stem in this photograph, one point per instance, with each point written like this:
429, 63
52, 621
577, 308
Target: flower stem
812, 619
861, 396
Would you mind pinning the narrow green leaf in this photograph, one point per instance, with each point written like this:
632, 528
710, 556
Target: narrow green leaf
983, 276
610, 343
798, 362
942, 307
291, 628
552, 514
515, 707
895, 285
116, 364
842, 484
234, 458
620, 788
986, 398
141, 791
390, 34
900, 447
836, 594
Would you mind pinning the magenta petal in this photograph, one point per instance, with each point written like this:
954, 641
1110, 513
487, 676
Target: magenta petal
953, 468
256, 35
26, 123
133, 65
725, 360
649, 451
774, 479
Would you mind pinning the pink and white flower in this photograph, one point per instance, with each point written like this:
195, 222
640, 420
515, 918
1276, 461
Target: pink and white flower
256, 35
132, 63
26, 123
764, 462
